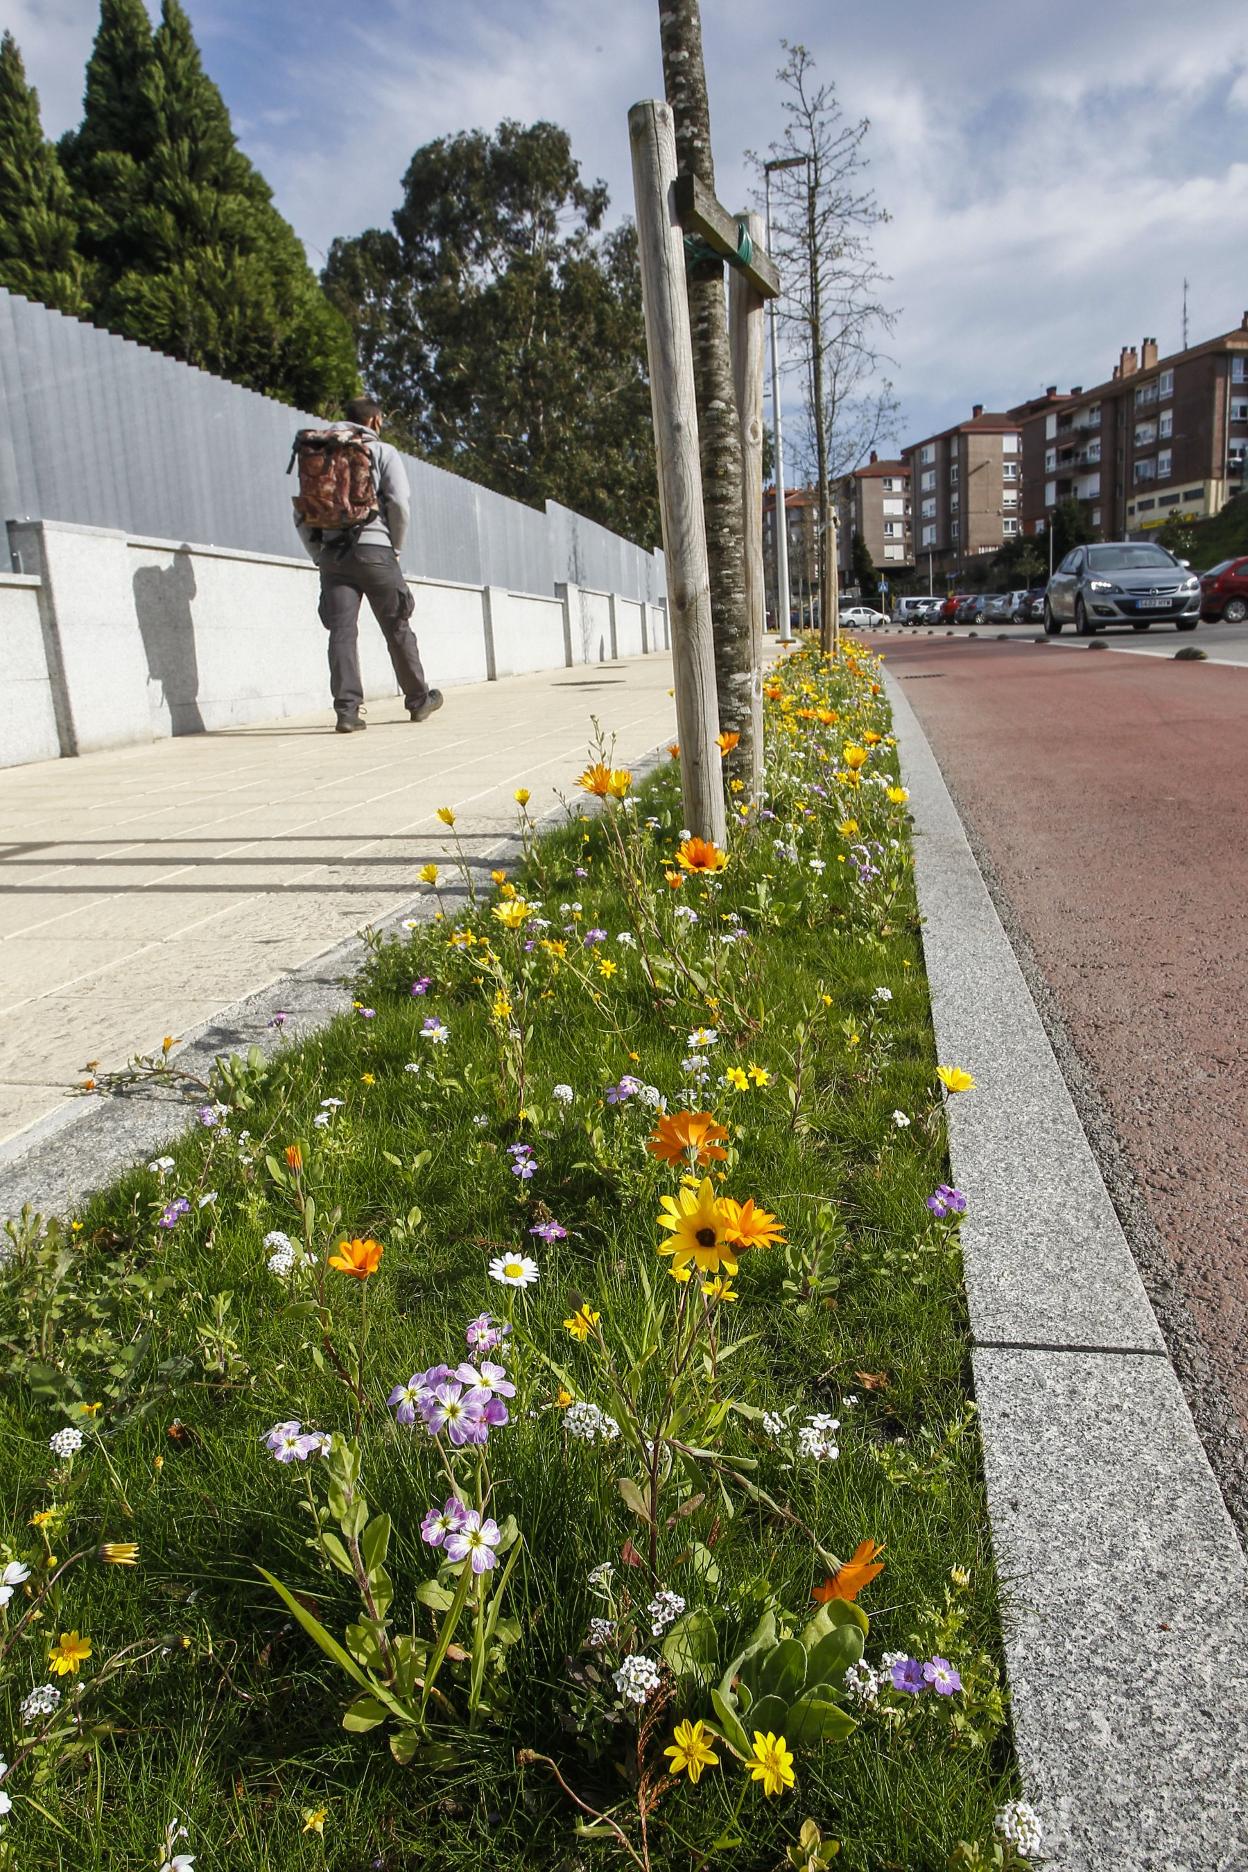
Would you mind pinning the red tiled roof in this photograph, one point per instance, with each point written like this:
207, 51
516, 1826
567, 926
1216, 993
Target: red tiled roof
881, 468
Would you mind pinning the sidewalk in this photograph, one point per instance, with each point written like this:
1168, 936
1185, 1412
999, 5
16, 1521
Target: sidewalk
143, 890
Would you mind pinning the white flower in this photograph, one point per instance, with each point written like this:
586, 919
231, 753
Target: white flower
601, 1632
627, 938
6, 1805
702, 1037
901, 1121
412, 1066
862, 1683
13, 1576
773, 1423
815, 1444
331, 1104
159, 1165
321, 1119
435, 1030
211, 1197
823, 1423
817, 865
636, 1678
64, 1443
587, 1423
480, 1120
514, 1270
176, 1862
563, 1093
1019, 1823
601, 1575
664, 1609
881, 994
39, 1702
410, 923
686, 914
650, 1095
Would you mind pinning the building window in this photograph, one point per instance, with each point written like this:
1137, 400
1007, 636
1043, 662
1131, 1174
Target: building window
1165, 383
928, 452
1050, 461
954, 470
894, 506
1009, 471
1050, 493
1094, 416
1163, 465
1145, 506
928, 481
1169, 500
1145, 434
1146, 471
1009, 497
955, 500
929, 509
929, 536
1191, 494
1145, 394
890, 529
1238, 372
887, 484
1165, 424
1050, 426
1096, 516
1010, 524
1239, 410
955, 530
1011, 444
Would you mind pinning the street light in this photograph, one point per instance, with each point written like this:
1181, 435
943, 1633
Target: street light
780, 511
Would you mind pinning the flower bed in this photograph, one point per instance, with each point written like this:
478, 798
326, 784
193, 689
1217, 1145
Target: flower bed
526, 1424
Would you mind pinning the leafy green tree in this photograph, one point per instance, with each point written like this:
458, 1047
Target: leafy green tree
502, 332
190, 255
39, 255
864, 574
1070, 527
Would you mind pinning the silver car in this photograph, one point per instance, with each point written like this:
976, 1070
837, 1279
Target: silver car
1128, 582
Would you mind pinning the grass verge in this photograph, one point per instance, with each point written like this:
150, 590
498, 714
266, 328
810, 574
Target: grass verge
245, 1359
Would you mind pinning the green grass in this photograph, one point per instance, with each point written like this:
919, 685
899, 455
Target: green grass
224, 1713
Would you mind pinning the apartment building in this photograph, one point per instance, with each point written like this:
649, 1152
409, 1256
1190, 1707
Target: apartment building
1162, 438
874, 503
801, 510
966, 487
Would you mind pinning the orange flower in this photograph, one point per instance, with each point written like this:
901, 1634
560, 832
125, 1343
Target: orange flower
749, 1227
357, 1257
599, 779
700, 855
677, 1133
773, 692
848, 1580
726, 742
673, 749
674, 879
294, 1157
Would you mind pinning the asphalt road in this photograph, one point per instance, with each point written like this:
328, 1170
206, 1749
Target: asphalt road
1106, 797
1221, 643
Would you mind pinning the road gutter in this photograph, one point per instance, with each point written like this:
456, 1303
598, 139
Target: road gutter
1125, 1616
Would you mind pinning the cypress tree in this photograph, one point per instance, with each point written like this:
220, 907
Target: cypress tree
39, 257
195, 260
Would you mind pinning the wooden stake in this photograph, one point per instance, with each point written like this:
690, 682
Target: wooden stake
745, 333
669, 351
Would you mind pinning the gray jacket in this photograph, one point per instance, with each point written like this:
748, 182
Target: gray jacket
394, 499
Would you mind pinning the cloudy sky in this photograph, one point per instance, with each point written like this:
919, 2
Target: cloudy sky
1053, 173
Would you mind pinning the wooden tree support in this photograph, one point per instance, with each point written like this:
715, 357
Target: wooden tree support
669, 351
702, 217
745, 333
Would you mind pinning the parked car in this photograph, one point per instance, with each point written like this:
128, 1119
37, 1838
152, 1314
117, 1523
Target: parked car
905, 608
1132, 582
949, 607
1031, 609
1224, 591
859, 617
999, 610
971, 609
930, 609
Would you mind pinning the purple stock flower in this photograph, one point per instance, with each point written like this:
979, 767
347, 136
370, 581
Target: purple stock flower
580, 871
907, 1675
945, 1200
208, 1116
593, 936
406, 1400
475, 1541
448, 1409
279, 1019
174, 1213
627, 1088
366, 1013
439, 1522
523, 1162
422, 986
939, 1672
485, 1332
549, 1231
290, 1442
489, 1382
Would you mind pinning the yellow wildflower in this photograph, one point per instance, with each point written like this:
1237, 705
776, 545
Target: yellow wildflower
691, 1750
582, 1322
954, 1079
606, 967
897, 795
721, 1289
736, 1076
500, 1008
759, 1075
854, 757
119, 1553
772, 1763
513, 913
314, 1819
522, 796
446, 815
428, 874
69, 1654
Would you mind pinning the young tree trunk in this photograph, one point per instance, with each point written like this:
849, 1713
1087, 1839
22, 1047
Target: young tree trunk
719, 432
827, 597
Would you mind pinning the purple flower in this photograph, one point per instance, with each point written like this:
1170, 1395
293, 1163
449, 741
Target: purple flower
208, 1116
279, 1019
406, 1400
627, 1088
475, 1541
939, 1672
290, 1442
439, 1522
593, 936
485, 1332
174, 1213
907, 1675
523, 1162
946, 1200
489, 1382
422, 986
549, 1231
366, 1013
580, 871
448, 1409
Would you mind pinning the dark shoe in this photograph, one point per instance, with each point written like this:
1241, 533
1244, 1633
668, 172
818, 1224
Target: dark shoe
349, 721
430, 706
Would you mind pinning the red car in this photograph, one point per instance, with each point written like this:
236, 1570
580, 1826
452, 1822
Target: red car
947, 610
1224, 591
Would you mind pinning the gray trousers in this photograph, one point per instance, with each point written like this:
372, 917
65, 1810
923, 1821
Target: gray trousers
370, 572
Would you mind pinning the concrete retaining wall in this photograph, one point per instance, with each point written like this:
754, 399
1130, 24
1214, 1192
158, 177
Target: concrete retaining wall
107, 639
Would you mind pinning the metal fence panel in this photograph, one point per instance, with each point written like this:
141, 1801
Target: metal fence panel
100, 431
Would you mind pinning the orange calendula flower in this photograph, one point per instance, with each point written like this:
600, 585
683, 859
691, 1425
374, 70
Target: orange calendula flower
679, 1133
773, 692
699, 1236
726, 742
848, 1580
673, 748
69, 1654
359, 1258
747, 1226
674, 879
871, 738
697, 854
601, 780
294, 1157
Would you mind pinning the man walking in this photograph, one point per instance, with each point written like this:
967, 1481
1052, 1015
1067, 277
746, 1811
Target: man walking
352, 514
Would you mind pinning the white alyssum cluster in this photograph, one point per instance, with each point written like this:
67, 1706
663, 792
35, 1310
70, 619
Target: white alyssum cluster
38, 1703
601, 1633
637, 1678
1019, 1823
863, 1683
563, 1093
901, 1121
882, 995
817, 1438
588, 1424
65, 1443
664, 1609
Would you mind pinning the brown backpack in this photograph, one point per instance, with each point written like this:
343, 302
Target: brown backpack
337, 479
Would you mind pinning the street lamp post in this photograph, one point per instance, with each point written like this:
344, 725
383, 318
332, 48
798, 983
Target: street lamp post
780, 512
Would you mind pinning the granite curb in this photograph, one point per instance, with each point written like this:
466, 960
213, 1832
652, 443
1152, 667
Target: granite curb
1124, 1609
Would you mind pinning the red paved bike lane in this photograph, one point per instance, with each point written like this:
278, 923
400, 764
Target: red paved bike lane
1107, 799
